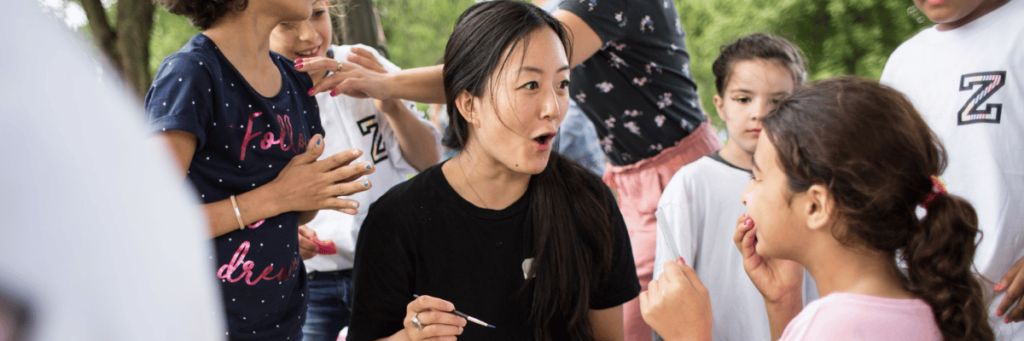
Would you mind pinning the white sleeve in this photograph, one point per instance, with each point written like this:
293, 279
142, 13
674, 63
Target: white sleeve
677, 234
391, 138
893, 65
663, 250
886, 77
422, 116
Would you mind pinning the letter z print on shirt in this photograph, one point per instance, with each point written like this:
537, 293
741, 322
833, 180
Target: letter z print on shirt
984, 85
379, 151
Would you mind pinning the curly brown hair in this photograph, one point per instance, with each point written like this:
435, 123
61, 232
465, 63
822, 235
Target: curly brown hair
866, 143
203, 13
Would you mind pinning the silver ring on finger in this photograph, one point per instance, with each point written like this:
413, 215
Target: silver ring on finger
340, 64
416, 322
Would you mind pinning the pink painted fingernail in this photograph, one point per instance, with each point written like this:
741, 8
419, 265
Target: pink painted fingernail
334, 93
682, 260
998, 287
311, 91
298, 61
298, 66
999, 313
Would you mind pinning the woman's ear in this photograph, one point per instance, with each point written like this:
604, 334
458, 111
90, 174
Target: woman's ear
465, 103
818, 207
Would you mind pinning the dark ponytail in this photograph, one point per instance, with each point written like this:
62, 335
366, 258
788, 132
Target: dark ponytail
569, 215
939, 258
868, 145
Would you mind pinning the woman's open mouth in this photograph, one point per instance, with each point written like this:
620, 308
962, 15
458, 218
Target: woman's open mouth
544, 141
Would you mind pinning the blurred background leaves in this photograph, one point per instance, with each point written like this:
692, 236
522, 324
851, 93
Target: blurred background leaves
838, 37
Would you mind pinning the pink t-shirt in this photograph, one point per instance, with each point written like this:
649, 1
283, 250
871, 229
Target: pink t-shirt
848, 317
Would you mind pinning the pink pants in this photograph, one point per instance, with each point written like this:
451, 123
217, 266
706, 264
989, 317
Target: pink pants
638, 187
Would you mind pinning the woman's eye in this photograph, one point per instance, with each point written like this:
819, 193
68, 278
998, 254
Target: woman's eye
742, 99
564, 84
320, 12
530, 86
776, 101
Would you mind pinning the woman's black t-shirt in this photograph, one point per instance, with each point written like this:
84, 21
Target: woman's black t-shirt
423, 238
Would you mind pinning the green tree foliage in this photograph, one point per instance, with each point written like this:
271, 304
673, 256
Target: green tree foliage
167, 34
121, 31
417, 30
170, 33
838, 37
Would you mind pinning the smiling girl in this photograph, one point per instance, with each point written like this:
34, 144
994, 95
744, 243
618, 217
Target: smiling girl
507, 231
839, 173
398, 144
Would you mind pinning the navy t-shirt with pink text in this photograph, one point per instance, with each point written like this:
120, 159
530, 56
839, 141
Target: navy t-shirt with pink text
244, 141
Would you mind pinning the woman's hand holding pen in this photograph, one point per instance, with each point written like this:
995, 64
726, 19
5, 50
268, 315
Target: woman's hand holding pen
434, 321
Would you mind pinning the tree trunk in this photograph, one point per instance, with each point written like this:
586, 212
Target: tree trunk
126, 44
134, 28
104, 36
358, 23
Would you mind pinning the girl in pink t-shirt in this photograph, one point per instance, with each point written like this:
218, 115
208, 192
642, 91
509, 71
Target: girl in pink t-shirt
839, 173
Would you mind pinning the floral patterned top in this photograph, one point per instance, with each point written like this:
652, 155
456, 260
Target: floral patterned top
637, 89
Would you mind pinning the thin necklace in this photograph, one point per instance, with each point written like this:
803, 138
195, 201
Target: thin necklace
470, 185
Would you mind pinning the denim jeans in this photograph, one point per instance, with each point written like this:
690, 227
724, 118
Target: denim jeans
330, 305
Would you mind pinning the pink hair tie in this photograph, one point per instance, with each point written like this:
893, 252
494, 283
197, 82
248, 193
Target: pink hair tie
938, 188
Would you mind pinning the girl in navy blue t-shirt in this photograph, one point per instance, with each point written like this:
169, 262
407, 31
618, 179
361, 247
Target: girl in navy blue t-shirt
242, 124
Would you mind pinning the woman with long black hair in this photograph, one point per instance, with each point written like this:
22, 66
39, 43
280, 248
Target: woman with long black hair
507, 231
